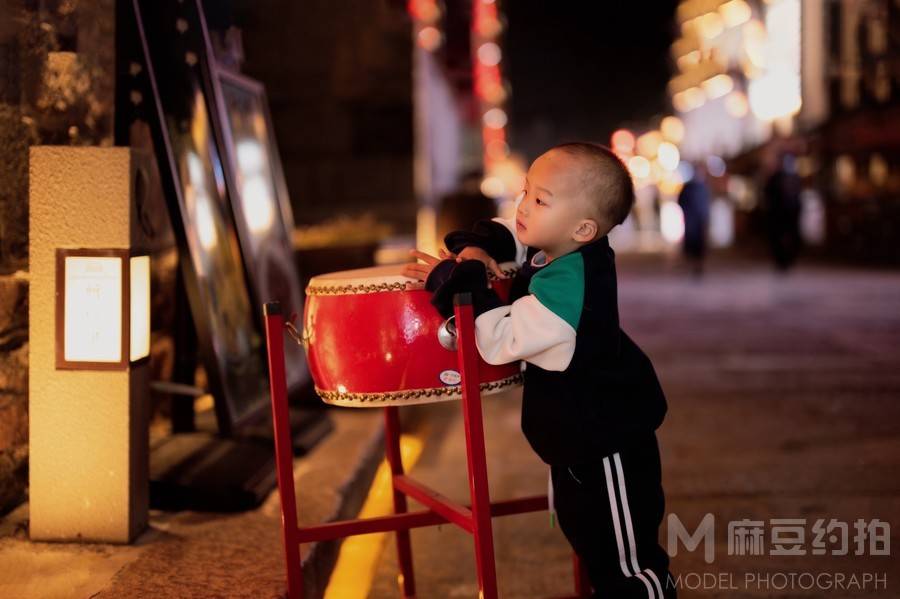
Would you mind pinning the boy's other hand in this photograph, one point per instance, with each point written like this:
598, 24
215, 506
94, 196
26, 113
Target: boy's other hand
420, 272
476, 253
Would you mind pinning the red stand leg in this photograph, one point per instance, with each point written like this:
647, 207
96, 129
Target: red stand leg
284, 453
582, 582
475, 452
392, 450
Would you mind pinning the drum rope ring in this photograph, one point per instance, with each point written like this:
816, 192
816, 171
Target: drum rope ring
300, 338
447, 334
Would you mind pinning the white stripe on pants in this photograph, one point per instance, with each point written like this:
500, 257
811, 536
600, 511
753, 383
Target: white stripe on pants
626, 517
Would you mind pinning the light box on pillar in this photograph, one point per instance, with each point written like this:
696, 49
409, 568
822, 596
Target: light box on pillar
102, 308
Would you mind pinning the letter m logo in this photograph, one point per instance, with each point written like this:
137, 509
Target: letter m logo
705, 532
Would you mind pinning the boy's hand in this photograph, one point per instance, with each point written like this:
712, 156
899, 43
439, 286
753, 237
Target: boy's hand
476, 253
420, 272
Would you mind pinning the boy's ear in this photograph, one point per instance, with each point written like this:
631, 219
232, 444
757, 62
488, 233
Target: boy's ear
586, 230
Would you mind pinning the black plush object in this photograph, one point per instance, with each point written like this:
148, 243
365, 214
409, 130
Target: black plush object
489, 235
450, 277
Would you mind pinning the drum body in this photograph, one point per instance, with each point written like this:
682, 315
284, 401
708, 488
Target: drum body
370, 342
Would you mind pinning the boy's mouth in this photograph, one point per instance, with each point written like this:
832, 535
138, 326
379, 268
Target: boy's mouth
520, 226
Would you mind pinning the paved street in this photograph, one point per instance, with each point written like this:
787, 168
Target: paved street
784, 403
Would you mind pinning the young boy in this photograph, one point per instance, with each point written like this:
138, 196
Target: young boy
591, 399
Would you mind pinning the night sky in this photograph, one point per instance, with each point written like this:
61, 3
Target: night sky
580, 69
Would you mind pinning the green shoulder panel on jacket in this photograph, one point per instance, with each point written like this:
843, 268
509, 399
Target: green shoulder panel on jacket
559, 286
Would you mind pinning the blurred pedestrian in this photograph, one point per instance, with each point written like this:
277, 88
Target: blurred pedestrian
782, 195
694, 200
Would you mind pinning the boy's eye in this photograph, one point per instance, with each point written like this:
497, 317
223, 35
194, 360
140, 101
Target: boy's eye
540, 202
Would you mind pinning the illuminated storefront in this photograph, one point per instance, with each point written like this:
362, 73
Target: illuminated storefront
758, 79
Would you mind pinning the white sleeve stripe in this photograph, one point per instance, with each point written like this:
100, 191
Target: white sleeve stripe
525, 330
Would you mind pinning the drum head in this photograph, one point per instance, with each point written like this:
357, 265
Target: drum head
374, 279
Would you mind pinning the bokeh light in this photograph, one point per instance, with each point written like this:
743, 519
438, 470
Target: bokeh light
495, 118
672, 129
671, 222
648, 143
489, 54
623, 141
639, 167
429, 38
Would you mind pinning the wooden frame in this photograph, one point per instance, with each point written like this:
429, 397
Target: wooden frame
125, 346
269, 252
166, 81
252, 86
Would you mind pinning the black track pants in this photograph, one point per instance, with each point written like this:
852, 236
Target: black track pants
610, 510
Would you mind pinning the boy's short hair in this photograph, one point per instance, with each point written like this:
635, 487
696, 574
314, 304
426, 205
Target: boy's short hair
606, 181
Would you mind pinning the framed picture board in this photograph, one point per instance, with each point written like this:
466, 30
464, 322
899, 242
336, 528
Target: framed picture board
169, 87
260, 203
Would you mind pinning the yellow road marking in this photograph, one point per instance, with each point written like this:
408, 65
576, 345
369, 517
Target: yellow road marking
357, 561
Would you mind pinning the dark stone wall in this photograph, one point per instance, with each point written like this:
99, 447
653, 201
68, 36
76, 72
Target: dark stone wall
56, 87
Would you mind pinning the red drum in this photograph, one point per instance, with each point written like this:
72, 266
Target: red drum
370, 342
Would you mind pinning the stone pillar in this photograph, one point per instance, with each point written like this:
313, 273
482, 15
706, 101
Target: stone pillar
88, 428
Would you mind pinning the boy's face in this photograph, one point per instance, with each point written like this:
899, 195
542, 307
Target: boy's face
553, 215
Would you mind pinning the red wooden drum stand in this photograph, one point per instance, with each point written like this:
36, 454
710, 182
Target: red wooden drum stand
474, 518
